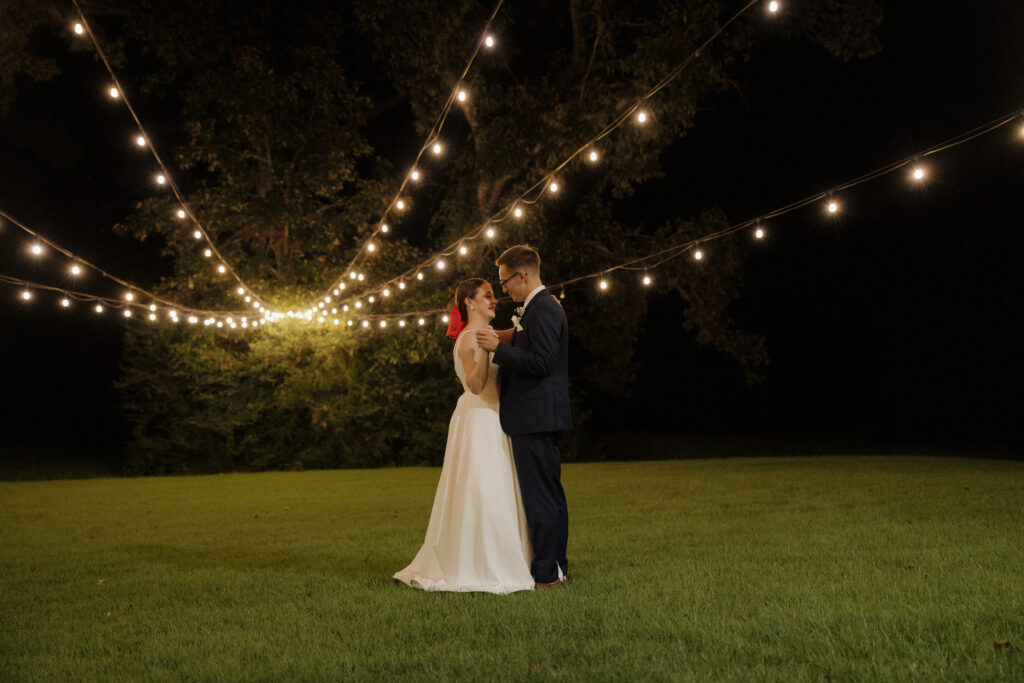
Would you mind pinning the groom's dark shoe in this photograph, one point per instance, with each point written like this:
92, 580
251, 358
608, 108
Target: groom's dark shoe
542, 586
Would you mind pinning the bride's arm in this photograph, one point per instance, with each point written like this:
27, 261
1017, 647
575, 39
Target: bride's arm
474, 362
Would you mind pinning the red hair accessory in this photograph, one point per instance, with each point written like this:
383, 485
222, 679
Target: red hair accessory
455, 324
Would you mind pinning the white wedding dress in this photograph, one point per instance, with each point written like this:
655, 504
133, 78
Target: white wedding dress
477, 538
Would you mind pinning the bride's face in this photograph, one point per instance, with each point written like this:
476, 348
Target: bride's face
484, 302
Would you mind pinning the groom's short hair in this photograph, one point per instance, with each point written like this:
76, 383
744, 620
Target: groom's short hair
521, 257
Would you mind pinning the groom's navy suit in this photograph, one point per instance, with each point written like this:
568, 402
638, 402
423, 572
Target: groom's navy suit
534, 409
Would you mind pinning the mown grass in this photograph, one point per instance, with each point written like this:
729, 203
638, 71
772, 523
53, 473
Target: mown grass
855, 568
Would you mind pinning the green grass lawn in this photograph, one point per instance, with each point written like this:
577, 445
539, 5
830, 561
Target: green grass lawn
855, 568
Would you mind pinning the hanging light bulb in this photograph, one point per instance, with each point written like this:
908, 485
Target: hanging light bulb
436, 148
444, 318
76, 270
240, 291
352, 275
641, 116
360, 277
603, 284
181, 213
463, 250
345, 307
198, 235
152, 307
140, 141
419, 276
833, 206
440, 264
401, 285
593, 156
98, 308
421, 322
129, 297
415, 175
366, 323
152, 317
79, 29
371, 299
127, 313
773, 6
698, 255
401, 323
489, 41
918, 173
370, 247
384, 227
208, 253
490, 232
359, 304
160, 179
553, 187
383, 323
400, 205
65, 302
37, 249
647, 280
386, 292
113, 93
222, 269
26, 295
517, 212
759, 233
462, 96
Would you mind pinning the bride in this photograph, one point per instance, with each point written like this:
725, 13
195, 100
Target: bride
477, 538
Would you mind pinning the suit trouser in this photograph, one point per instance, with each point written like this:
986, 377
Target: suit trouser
539, 468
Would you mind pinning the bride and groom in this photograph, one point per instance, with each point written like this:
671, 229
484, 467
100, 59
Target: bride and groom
499, 523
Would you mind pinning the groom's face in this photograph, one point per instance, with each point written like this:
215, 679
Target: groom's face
513, 283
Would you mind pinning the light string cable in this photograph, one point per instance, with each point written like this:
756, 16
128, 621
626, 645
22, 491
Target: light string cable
535, 192
209, 318
184, 210
413, 175
131, 290
653, 260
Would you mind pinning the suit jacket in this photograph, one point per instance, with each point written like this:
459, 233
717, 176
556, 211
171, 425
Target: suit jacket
534, 379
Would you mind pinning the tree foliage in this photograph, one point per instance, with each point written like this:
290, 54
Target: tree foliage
296, 123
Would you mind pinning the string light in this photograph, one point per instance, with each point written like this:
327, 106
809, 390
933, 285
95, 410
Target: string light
65, 302
383, 323
208, 253
773, 6
593, 156
918, 173
401, 285
222, 269
366, 323
553, 187
421, 322
26, 295
400, 205
140, 141
98, 308
37, 249
160, 179
833, 207
370, 247
462, 96
490, 232
440, 264
419, 276
113, 92
603, 284
79, 29
76, 270
181, 214
127, 313
384, 227
436, 148
463, 250
641, 117
759, 233
415, 176
489, 41
698, 255
444, 318
129, 296
647, 280
517, 212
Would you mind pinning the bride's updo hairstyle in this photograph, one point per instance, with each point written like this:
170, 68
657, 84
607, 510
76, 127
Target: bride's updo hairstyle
467, 289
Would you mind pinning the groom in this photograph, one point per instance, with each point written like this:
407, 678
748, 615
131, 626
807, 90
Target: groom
534, 408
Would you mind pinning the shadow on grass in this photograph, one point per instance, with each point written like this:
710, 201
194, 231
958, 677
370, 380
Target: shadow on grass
33, 463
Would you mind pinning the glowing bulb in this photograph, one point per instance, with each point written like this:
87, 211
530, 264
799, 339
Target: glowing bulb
208, 253
352, 275
773, 6
593, 156
489, 41
647, 280
129, 296
383, 323
327, 299
401, 323
198, 235
75, 270
400, 205
321, 304
240, 291
349, 323
220, 324
553, 187
341, 286
490, 232
371, 299
444, 319
160, 179
603, 284
193, 320
401, 285
152, 316
113, 93
65, 302
462, 96
336, 321
641, 117
98, 309
463, 251
419, 276
517, 212
440, 264
336, 292
37, 249
26, 295
140, 141
436, 148
698, 255
421, 322
127, 313
759, 233
345, 307
181, 213
386, 292
152, 307
366, 323
360, 277
384, 227
221, 269
833, 207
359, 304
370, 247
415, 175
918, 173
79, 29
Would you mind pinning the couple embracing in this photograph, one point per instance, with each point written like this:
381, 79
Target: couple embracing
499, 522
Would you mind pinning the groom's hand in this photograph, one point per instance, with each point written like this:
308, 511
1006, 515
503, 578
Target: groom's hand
487, 339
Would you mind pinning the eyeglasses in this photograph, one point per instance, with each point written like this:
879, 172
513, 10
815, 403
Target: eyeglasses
502, 283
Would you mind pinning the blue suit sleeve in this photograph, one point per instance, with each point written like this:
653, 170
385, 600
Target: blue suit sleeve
540, 359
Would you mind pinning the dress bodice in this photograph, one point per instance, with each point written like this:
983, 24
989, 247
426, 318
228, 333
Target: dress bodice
490, 393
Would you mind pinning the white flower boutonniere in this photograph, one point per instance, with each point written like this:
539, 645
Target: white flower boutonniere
517, 317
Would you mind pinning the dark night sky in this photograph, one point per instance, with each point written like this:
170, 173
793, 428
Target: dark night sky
900, 320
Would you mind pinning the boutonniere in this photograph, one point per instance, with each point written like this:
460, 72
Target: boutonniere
517, 317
